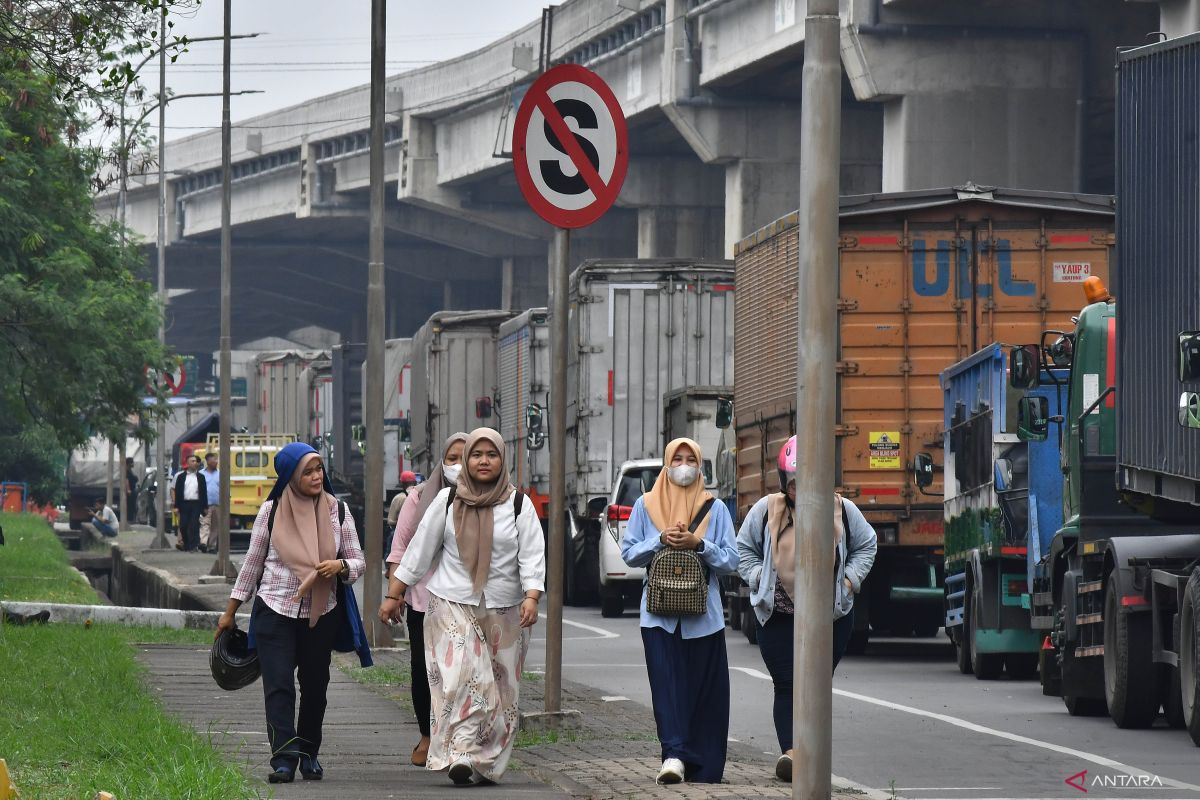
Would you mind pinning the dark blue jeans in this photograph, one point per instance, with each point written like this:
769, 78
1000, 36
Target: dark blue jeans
775, 642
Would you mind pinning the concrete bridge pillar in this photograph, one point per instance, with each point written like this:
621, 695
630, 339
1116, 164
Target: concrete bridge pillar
1179, 17
679, 204
997, 107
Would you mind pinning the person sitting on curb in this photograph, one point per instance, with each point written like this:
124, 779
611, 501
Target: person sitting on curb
104, 519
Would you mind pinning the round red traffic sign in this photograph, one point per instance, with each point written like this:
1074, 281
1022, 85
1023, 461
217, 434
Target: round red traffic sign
174, 381
570, 175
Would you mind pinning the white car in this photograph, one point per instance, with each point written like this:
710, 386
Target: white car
617, 580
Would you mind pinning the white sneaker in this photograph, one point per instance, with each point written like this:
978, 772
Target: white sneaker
461, 772
671, 772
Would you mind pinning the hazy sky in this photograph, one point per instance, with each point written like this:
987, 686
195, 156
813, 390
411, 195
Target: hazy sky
314, 47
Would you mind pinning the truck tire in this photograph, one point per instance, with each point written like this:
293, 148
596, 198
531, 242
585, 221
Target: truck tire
1172, 696
1130, 688
1021, 666
962, 649
612, 604
1189, 656
986, 666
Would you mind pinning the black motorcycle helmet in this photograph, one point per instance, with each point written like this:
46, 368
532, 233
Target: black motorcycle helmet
233, 665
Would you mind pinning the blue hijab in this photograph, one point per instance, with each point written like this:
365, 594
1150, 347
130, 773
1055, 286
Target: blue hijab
286, 461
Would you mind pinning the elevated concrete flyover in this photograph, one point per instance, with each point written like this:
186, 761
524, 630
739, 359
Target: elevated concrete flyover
1005, 92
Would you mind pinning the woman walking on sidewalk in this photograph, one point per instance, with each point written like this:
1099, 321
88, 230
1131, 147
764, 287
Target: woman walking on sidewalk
301, 543
767, 546
483, 599
417, 597
685, 654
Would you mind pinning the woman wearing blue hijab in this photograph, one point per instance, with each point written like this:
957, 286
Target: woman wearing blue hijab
301, 544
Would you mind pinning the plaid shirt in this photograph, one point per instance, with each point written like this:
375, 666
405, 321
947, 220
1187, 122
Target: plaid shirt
279, 584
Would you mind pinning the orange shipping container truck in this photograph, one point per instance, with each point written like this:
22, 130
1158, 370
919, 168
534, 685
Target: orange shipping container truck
925, 279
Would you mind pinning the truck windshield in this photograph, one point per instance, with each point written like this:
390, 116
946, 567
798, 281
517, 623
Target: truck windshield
634, 484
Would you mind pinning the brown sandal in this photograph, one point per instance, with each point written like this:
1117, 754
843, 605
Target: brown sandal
420, 753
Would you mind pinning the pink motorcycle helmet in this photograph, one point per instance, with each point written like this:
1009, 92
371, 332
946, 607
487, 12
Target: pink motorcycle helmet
787, 463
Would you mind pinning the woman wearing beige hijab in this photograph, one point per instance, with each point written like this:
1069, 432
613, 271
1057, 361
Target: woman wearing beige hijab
685, 655
300, 545
483, 600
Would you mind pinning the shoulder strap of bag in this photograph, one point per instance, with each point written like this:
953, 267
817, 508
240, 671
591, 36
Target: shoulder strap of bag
271, 527
701, 514
518, 500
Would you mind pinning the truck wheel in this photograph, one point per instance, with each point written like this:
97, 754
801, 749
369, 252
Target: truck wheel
1130, 688
858, 642
1021, 666
986, 666
570, 575
611, 603
926, 629
1189, 656
962, 649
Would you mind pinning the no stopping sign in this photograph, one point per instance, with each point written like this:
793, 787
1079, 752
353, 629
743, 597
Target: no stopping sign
570, 146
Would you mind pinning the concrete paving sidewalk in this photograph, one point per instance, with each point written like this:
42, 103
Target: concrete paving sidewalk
613, 752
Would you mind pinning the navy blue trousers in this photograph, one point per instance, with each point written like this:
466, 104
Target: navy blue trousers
775, 643
689, 685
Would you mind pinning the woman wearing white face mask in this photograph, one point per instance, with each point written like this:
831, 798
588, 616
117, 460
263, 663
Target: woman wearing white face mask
414, 508
685, 653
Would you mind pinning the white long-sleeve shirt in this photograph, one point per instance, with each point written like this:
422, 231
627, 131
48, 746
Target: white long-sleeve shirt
518, 556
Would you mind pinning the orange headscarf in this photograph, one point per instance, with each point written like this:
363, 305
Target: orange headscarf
667, 503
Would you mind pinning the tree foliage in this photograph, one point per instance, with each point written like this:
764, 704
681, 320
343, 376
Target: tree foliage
77, 328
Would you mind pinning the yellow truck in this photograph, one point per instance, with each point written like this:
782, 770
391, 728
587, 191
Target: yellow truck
251, 473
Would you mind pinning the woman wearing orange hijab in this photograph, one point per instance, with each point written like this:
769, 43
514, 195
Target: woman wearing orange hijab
685, 655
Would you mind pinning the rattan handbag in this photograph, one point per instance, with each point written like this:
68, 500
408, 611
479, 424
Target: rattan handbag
677, 580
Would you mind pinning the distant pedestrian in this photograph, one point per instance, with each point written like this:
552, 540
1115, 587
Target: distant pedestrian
190, 498
131, 486
416, 504
483, 600
104, 518
685, 653
292, 567
210, 519
767, 546
408, 481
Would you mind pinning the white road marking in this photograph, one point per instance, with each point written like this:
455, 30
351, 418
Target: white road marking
948, 788
753, 673
601, 632
612, 698
870, 792
1012, 737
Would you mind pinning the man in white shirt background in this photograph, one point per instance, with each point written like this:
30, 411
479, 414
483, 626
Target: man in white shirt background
190, 498
104, 518
208, 520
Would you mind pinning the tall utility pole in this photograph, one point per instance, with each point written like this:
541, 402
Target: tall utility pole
160, 445
223, 565
373, 402
820, 129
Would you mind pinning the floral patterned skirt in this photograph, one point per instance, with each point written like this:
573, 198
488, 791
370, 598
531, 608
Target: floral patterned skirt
474, 656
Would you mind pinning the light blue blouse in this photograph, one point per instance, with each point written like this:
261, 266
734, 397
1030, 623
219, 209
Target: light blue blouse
719, 552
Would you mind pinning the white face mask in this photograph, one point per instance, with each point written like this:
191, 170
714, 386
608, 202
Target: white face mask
451, 472
683, 475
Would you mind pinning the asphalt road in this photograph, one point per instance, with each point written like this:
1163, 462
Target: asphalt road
908, 724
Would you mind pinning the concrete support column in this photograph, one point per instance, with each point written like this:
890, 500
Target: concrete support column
506, 283
1179, 17
680, 232
997, 109
447, 295
756, 194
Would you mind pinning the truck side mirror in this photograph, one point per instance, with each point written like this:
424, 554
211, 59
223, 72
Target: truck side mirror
1189, 355
483, 408
724, 413
533, 418
1033, 419
535, 440
1023, 366
1189, 410
923, 470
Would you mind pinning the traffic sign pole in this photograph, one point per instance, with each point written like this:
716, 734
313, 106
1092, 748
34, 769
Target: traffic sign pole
570, 177
556, 544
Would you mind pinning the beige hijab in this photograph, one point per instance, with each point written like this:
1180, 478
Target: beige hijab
667, 503
303, 537
781, 527
473, 502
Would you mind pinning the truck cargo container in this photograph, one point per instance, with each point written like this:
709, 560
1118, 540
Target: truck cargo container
524, 377
346, 379
279, 391
88, 470
1119, 591
454, 379
397, 401
925, 279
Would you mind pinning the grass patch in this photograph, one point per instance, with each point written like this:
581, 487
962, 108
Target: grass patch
78, 720
34, 566
532, 676
391, 679
379, 675
535, 738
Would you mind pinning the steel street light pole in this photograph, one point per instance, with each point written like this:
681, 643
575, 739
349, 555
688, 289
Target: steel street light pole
820, 129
